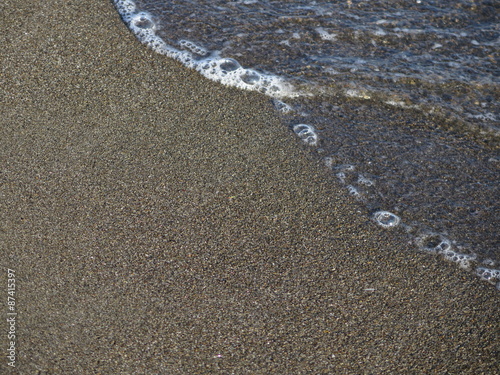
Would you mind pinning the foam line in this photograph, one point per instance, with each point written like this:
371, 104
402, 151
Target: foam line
224, 70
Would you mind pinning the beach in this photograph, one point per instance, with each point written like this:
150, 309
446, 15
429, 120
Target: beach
160, 223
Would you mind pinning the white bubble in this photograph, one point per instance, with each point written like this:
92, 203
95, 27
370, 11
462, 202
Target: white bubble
193, 48
353, 93
488, 274
433, 243
328, 161
386, 219
353, 191
325, 35
307, 133
364, 181
464, 260
125, 7
489, 262
341, 176
142, 20
224, 70
229, 65
250, 77
282, 106
345, 167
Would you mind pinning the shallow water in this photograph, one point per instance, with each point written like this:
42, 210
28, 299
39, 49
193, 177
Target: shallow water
399, 99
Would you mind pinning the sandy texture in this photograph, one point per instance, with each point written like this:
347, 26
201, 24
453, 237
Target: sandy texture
159, 223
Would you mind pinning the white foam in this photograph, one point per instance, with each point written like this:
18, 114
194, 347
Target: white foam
352, 93
365, 181
386, 219
341, 176
408, 31
401, 104
224, 70
328, 161
379, 32
125, 7
345, 167
488, 274
325, 35
229, 71
489, 262
307, 133
464, 260
193, 47
353, 191
433, 243
484, 117
282, 106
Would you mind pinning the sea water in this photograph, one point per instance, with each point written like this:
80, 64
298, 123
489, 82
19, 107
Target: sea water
400, 99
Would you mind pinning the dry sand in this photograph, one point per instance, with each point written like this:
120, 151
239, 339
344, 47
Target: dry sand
159, 223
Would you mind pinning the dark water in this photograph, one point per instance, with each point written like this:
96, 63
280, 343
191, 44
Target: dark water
399, 98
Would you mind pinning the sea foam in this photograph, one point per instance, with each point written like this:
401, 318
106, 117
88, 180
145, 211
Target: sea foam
212, 66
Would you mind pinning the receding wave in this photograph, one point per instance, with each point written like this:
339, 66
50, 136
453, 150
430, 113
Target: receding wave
399, 99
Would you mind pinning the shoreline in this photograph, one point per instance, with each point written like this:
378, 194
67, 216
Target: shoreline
161, 223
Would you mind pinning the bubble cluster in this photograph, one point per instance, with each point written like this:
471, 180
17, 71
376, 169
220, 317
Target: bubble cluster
490, 275
144, 21
345, 167
126, 8
325, 35
386, 219
463, 260
229, 71
356, 184
224, 70
341, 176
194, 48
364, 181
307, 133
433, 243
353, 191
282, 106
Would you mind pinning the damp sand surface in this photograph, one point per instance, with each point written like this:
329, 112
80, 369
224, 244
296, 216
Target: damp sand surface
435, 169
158, 222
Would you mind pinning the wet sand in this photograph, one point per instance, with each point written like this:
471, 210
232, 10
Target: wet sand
159, 223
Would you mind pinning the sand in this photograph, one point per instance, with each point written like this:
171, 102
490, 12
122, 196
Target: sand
159, 223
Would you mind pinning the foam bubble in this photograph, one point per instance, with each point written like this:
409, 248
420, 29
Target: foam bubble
400, 104
488, 274
325, 35
353, 93
489, 262
143, 21
345, 167
386, 219
194, 48
353, 191
364, 181
341, 176
282, 106
125, 7
307, 133
224, 70
464, 260
229, 65
328, 161
434, 243
229, 72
